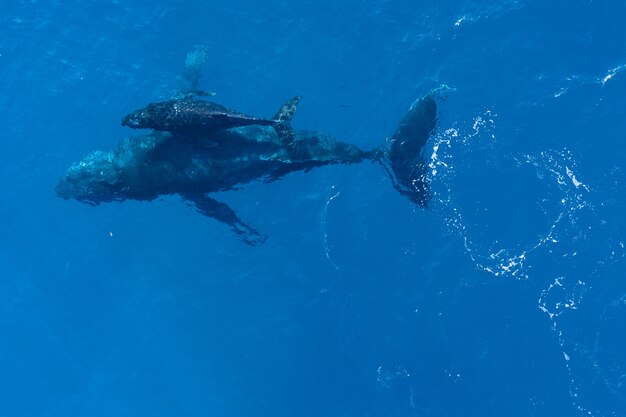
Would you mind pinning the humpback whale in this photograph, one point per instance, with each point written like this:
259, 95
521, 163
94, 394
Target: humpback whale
192, 117
193, 163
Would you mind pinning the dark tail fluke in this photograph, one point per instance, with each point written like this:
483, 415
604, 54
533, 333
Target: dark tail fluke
404, 157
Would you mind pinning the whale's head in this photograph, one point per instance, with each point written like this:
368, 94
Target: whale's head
93, 180
146, 118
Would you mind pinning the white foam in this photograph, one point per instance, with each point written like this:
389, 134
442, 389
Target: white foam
612, 73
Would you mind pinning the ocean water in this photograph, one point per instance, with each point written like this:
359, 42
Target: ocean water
505, 297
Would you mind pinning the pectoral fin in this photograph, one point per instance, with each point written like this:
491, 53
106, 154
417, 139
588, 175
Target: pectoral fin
222, 212
287, 110
282, 121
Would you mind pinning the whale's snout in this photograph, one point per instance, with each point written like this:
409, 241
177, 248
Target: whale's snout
92, 180
63, 189
132, 120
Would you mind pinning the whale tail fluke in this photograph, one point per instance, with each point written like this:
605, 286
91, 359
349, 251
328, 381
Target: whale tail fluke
403, 157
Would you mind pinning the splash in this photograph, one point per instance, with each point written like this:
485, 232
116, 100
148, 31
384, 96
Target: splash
566, 258
572, 177
612, 73
457, 143
556, 169
478, 11
327, 245
555, 301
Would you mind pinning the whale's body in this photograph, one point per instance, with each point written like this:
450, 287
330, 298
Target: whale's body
196, 117
194, 165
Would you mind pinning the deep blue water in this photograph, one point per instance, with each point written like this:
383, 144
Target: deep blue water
506, 297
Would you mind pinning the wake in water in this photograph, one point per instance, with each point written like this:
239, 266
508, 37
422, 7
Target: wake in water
560, 246
564, 195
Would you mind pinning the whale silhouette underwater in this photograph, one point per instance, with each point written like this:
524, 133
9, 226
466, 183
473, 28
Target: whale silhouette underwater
197, 147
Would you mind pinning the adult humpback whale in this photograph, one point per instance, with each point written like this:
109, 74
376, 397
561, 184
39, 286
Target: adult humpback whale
193, 161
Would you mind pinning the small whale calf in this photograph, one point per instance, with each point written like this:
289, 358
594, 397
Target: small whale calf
193, 117
197, 147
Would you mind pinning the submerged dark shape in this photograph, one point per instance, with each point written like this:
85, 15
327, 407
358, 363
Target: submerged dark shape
405, 147
190, 116
164, 163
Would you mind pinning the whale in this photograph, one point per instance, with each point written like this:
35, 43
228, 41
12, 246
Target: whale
188, 115
195, 163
